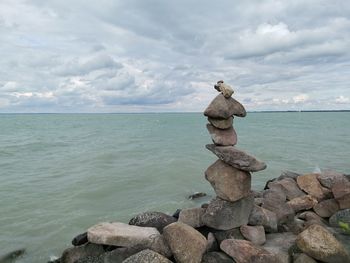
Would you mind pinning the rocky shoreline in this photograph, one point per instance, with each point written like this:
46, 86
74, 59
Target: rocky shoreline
301, 218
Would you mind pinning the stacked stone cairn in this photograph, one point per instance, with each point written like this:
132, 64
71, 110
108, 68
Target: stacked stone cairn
296, 218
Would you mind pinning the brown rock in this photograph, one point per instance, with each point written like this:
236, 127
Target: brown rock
221, 137
228, 182
255, 234
310, 184
236, 158
319, 243
223, 108
263, 217
341, 192
224, 215
329, 178
303, 258
186, 243
221, 123
192, 216
288, 186
326, 208
244, 251
302, 203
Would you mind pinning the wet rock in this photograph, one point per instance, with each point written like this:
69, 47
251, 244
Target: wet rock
233, 233
340, 216
341, 192
197, 195
288, 186
120, 254
152, 219
329, 178
192, 216
223, 108
224, 215
147, 256
225, 89
186, 243
263, 217
216, 257
279, 244
302, 203
221, 123
71, 255
310, 184
236, 158
177, 213
244, 251
288, 174
303, 258
212, 244
255, 234
326, 208
80, 239
221, 137
228, 182
319, 243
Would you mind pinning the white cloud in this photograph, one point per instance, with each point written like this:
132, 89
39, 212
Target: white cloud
300, 98
342, 99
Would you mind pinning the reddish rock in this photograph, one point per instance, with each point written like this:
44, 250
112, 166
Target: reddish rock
341, 192
221, 123
221, 137
288, 186
223, 108
228, 182
263, 217
255, 234
302, 203
244, 251
326, 208
310, 184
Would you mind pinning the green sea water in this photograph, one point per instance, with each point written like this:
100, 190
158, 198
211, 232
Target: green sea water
61, 173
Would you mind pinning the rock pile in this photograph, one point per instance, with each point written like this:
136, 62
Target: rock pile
296, 218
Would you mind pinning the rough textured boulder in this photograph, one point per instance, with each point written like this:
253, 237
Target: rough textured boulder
152, 219
255, 234
223, 108
71, 255
236, 158
121, 253
310, 184
341, 192
186, 243
329, 178
304, 202
320, 244
224, 215
274, 200
340, 216
263, 217
147, 256
192, 216
225, 89
228, 182
326, 208
280, 244
216, 257
288, 186
221, 123
243, 251
221, 137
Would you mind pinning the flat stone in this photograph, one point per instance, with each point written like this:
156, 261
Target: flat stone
221, 137
317, 242
303, 258
255, 234
216, 257
192, 216
221, 123
341, 193
228, 182
185, 242
244, 251
152, 219
147, 256
263, 217
224, 215
326, 208
71, 255
340, 216
236, 158
279, 244
302, 203
310, 184
328, 178
288, 186
223, 108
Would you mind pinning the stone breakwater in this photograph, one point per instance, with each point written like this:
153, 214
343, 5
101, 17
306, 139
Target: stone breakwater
300, 218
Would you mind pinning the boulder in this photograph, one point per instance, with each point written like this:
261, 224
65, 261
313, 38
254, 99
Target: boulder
244, 251
326, 208
342, 216
319, 243
71, 255
236, 158
228, 182
303, 258
233, 233
80, 239
310, 184
263, 217
279, 244
255, 234
221, 123
288, 174
341, 193
302, 203
224, 215
288, 186
223, 108
328, 178
192, 216
311, 218
225, 89
185, 242
91, 259
216, 257
152, 219
221, 137
147, 256
120, 254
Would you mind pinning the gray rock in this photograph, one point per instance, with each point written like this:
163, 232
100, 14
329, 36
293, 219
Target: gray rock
279, 244
233, 233
216, 257
341, 192
192, 216
221, 137
326, 208
12, 256
288, 186
212, 244
221, 123
147, 256
224, 215
91, 259
223, 108
80, 239
255, 234
228, 182
197, 195
118, 255
340, 216
328, 178
303, 258
152, 219
288, 174
263, 217
71, 255
236, 158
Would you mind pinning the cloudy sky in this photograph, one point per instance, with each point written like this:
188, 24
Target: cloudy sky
157, 55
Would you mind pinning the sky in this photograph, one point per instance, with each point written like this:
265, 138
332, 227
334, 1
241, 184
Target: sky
165, 56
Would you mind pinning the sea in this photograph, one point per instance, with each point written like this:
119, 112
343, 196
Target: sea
62, 173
